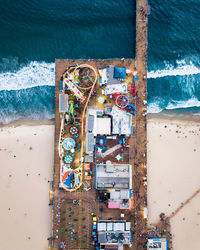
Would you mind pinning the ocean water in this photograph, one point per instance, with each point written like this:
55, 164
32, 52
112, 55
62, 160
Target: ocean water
174, 56
34, 33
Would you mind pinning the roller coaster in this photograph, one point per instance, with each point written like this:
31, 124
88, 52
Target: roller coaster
79, 80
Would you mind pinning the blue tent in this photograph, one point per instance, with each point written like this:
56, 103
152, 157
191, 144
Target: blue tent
120, 73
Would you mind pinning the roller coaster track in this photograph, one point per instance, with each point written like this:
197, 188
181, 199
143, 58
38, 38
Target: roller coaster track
79, 170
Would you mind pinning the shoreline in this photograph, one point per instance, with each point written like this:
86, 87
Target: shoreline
172, 116
26, 122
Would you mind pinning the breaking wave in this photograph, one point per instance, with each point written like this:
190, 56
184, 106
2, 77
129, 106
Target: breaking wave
182, 69
34, 103
193, 102
28, 92
5, 119
33, 75
155, 107
174, 87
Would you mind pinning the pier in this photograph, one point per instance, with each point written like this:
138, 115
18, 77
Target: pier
141, 132
72, 210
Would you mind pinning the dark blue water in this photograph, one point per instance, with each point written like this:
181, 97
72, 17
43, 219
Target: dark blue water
35, 30
34, 33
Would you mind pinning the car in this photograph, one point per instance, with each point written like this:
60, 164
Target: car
101, 209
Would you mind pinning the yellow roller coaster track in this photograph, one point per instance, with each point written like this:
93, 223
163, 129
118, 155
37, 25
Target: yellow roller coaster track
79, 170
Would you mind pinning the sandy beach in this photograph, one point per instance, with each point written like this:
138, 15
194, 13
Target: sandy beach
173, 176
26, 154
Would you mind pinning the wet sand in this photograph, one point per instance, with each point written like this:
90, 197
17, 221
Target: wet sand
173, 176
26, 154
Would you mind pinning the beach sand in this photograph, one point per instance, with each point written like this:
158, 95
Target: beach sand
174, 175
186, 226
27, 155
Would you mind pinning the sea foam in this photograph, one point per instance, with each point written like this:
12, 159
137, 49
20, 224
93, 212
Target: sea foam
193, 102
33, 75
155, 107
43, 74
182, 69
5, 119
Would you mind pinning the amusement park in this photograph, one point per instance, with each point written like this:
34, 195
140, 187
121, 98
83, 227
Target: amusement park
100, 183
96, 114
94, 105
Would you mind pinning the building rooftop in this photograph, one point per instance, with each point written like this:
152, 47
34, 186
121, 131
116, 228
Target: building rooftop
116, 89
103, 126
107, 75
157, 243
90, 124
122, 121
91, 119
89, 146
113, 232
63, 103
118, 176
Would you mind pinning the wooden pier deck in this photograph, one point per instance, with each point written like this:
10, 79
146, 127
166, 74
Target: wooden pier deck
140, 192
137, 150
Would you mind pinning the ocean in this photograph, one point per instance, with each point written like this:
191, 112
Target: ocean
174, 56
34, 33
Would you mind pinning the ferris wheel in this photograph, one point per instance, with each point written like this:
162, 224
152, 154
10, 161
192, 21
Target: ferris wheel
122, 101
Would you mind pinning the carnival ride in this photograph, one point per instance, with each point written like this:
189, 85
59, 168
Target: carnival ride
68, 143
80, 80
122, 101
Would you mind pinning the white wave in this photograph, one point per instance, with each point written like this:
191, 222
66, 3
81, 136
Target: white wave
153, 108
32, 75
193, 102
6, 119
182, 69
